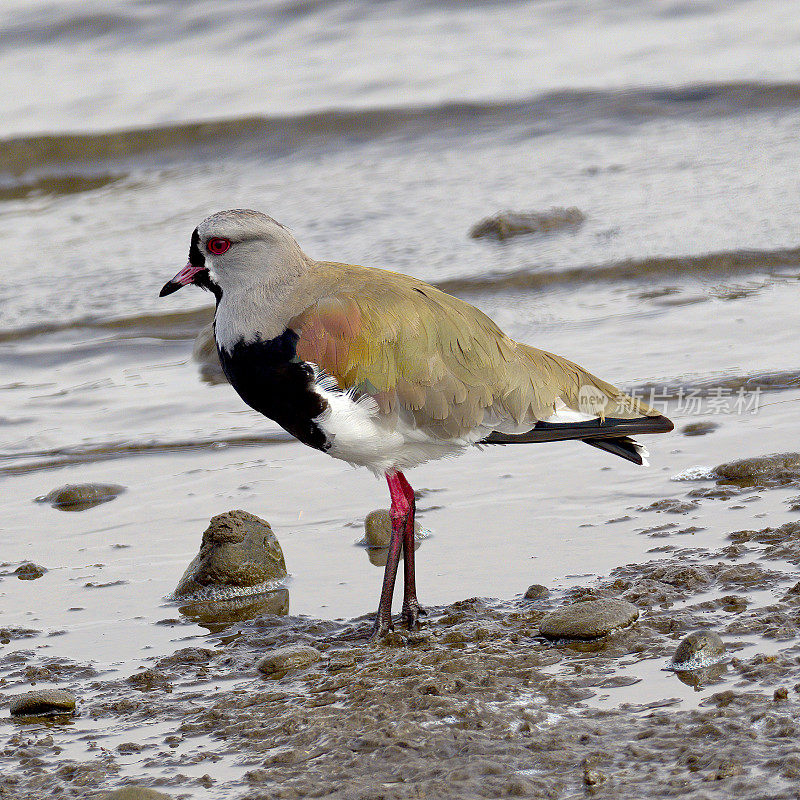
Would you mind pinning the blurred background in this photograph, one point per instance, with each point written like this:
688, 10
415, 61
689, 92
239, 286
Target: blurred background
644, 155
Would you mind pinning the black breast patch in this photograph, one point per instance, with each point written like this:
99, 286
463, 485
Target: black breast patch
269, 377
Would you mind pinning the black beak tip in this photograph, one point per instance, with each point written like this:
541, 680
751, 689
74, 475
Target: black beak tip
168, 288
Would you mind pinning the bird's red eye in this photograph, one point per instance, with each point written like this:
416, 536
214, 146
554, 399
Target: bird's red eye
218, 246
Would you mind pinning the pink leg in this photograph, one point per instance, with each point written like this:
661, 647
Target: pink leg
399, 512
411, 609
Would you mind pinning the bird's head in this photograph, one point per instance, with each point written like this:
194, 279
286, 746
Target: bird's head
238, 250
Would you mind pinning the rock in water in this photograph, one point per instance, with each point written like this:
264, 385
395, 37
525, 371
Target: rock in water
588, 620
239, 556
284, 659
778, 469
537, 592
516, 223
80, 496
43, 703
698, 650
378, 528
28, 571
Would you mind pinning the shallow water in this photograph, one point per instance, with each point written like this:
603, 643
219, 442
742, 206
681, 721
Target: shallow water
380, 134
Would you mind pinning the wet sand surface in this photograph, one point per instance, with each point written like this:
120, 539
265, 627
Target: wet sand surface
636, 169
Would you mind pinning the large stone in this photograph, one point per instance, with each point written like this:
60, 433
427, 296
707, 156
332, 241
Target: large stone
43, 703
588, 620
778, 469
80, 496
239, 556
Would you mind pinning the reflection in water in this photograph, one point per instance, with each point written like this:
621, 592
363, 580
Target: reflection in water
216, 615
700, 678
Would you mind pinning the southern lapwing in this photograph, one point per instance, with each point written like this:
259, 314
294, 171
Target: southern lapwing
384, 371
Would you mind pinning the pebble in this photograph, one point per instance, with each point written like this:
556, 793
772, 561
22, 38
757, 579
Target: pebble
588, 620
134, 793
698, 650
239, 556
536, 592
378, 528
80, 496
278, 662
43, 703
28, 571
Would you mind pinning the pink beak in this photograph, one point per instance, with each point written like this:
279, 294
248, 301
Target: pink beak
184, 277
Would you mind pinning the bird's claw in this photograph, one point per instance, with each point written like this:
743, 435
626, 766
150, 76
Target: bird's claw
411, 614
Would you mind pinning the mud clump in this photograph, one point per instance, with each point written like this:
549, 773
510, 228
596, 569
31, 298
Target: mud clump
506, 224
134, 793
287, 659
239, 556
699, 428
763, 472
588, 620
43, 703
80, 496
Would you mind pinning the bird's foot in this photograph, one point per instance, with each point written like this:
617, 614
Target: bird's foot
382, 627
411, 614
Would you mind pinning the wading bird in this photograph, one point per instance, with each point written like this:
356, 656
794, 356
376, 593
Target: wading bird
386, 372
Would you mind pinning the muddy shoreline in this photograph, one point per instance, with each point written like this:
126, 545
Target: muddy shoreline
476, 704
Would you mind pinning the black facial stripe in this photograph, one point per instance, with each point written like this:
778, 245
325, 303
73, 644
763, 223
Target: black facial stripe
196, 257
270, 378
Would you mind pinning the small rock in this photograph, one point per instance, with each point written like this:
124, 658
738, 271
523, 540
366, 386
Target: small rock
239, 556
536, 592
134, 793
378, 528
506, 224
698, 650
699, 428
781, 693
43, 703
80, 496
588, 620
28, 571
285, 659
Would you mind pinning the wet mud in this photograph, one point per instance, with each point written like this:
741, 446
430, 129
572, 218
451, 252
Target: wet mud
476, 704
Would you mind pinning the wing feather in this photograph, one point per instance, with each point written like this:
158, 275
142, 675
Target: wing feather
441, 361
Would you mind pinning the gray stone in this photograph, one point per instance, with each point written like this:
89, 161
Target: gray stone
80, 496
278, 662
43, 703
506, 224
537, 592
134, 793
239, 556
698, 650
378, 528
588, 620
28, 571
